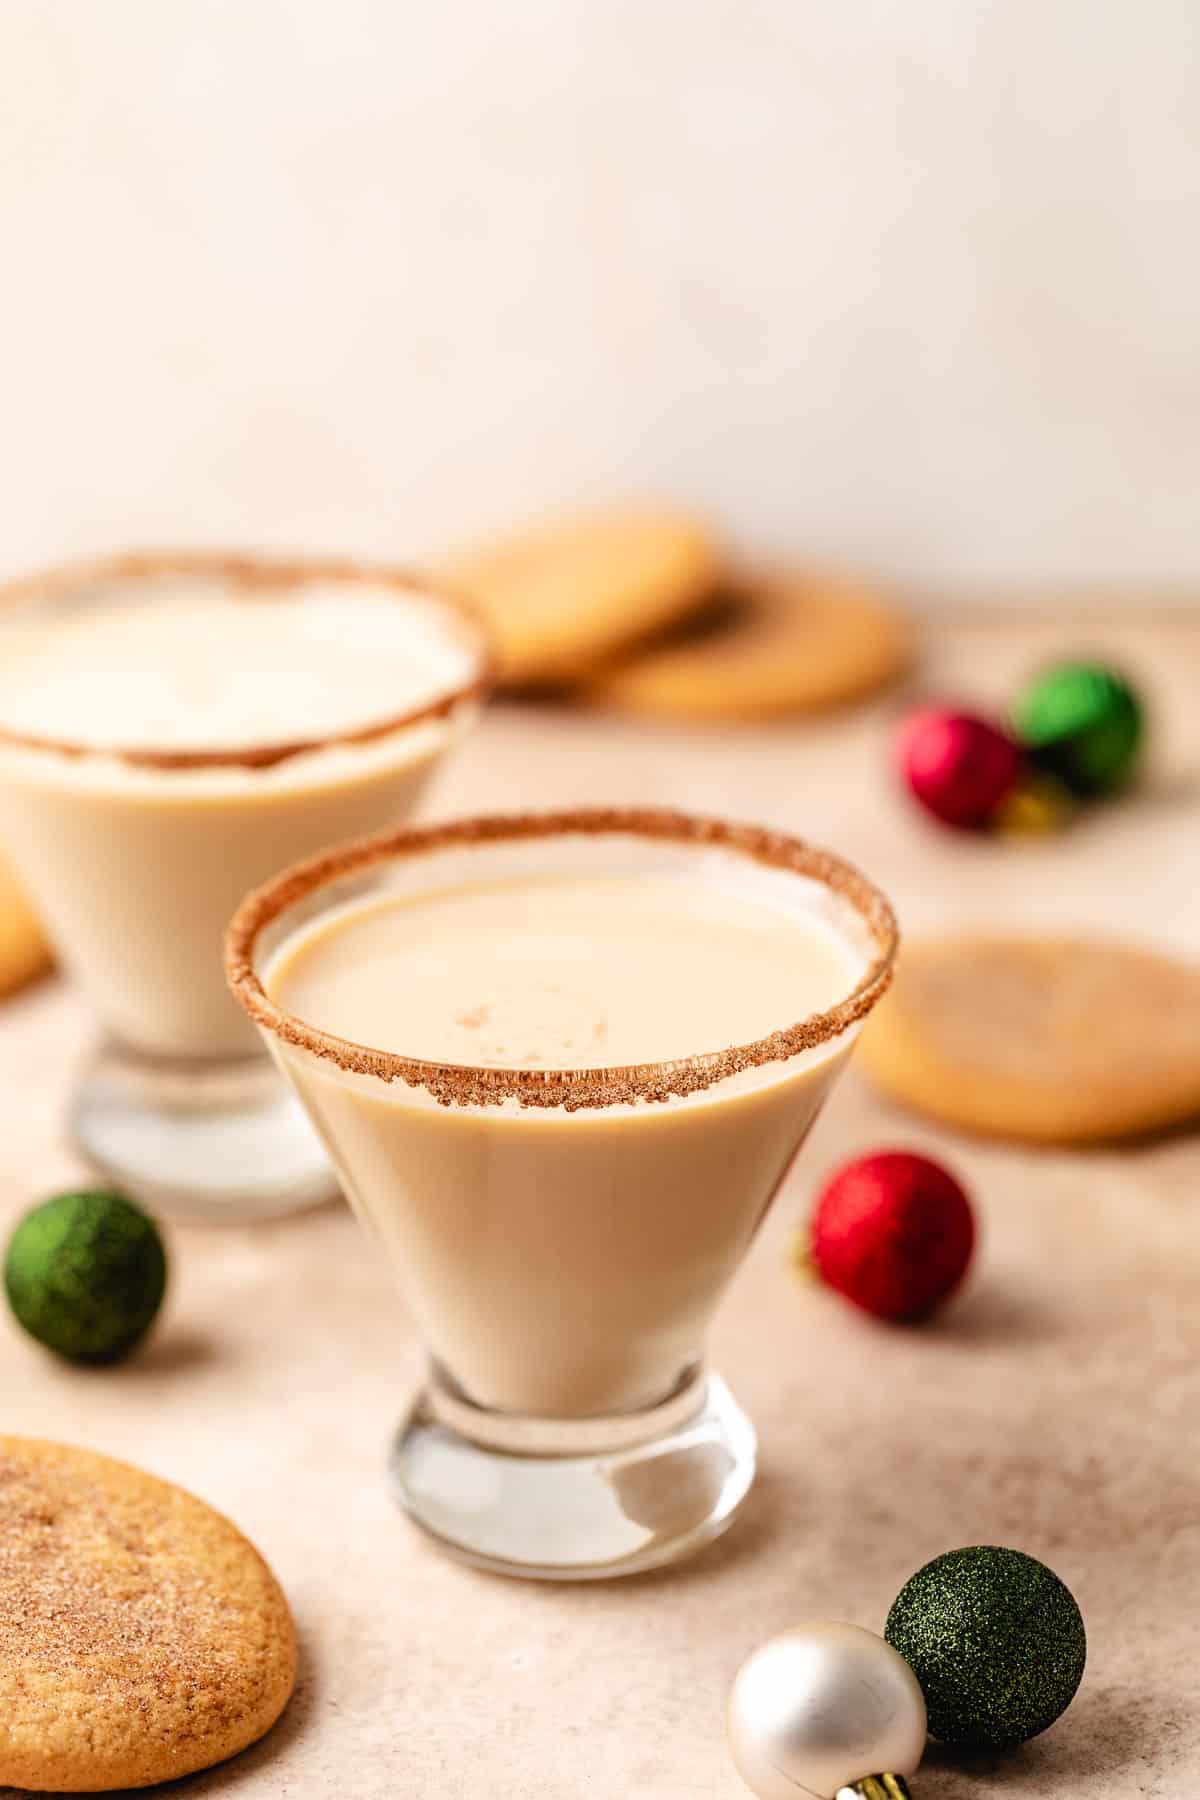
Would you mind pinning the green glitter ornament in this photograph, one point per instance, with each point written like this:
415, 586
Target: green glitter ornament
1083, 723
85, 1275
996, 1642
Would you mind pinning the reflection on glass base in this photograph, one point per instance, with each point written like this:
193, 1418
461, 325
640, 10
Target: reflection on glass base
563, 1500
218, 1143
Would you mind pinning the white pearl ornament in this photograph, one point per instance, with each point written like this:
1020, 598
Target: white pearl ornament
826, 1711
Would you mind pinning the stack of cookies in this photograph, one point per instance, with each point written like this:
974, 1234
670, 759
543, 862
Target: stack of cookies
642, 610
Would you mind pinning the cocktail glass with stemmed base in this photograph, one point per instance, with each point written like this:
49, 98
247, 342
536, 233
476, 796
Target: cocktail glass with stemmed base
172, 729
563, 1234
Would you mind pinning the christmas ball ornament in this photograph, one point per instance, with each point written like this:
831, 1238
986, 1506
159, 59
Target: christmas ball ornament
958, 765
1039, 806
893, 1232
829, 1711
1083, 723
85, 1275
996, 1642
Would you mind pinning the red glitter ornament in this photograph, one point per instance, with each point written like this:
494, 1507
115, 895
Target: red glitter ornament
960, 767
893, 1232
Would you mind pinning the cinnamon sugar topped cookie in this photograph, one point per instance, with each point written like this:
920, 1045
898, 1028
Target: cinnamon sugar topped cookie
563, 597
1043, 1039
24, 952
142, 1636
774, 643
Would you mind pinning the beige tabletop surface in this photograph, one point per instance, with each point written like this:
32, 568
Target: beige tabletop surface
1054, 1407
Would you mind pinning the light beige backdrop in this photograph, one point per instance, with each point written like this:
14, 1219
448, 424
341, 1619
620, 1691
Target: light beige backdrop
914, 282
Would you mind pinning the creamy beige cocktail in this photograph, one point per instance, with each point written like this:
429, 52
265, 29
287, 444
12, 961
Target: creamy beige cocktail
562, 1067
173, 729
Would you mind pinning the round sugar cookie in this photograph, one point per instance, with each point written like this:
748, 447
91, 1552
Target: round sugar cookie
777, 644
141, 1635
24, 951
1046, 1040
562, 598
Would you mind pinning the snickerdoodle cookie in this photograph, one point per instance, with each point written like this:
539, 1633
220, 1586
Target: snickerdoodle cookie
141, 1635
562, 598
24, 952
1054, 1040
776, 643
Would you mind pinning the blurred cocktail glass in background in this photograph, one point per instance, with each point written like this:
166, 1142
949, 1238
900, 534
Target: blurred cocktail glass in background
173, 729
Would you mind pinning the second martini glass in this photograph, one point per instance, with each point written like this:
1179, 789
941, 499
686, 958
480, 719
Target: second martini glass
173, 727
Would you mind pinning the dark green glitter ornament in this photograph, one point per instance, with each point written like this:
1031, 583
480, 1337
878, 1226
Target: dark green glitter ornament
1083, 723
85, 1275
996, 1642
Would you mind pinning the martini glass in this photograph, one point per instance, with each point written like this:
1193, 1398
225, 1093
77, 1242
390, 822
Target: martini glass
135, 848
562, 1236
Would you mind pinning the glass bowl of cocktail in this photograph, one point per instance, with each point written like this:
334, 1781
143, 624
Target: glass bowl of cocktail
173, 728
562, 1063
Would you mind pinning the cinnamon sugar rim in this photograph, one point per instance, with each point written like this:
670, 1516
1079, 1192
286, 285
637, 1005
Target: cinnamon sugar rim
459, 1084
259, 575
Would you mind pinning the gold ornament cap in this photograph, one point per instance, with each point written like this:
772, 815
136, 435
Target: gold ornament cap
813, 1706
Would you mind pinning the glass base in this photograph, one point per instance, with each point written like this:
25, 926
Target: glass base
220, 1143
567, 1500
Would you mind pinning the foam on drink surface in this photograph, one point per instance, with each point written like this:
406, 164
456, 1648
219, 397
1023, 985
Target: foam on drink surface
562, 973
187, 662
